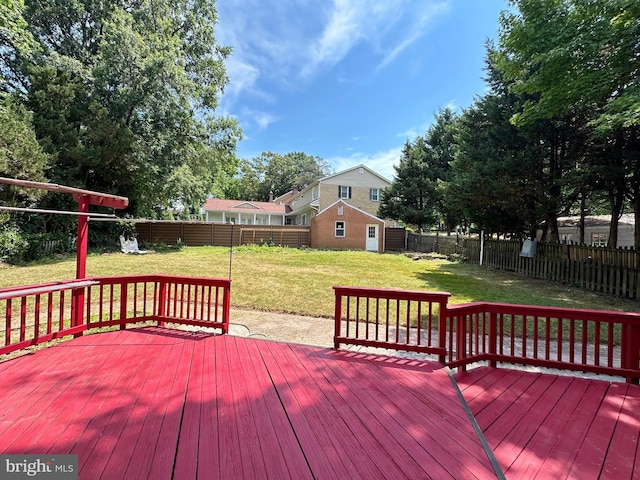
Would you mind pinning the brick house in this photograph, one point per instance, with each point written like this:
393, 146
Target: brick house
347, 203
341, 226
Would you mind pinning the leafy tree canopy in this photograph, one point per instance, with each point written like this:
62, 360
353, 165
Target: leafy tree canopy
273, 173
123, 95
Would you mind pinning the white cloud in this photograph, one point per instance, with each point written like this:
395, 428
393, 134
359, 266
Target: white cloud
292, 40
380, 162
261, 119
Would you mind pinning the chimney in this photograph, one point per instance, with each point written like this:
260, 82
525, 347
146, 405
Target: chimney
270, 196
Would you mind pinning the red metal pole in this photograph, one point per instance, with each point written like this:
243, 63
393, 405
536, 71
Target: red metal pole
77, 299
83, 236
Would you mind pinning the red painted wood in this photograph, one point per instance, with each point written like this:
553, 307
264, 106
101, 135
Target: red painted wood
572, 428
593, 449
132, 402
230, 443
407, 437
287, 448
316, 433
186, 463
624, 443
398, 450
437, 412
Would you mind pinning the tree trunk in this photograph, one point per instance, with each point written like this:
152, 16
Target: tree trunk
583, 213
552, 223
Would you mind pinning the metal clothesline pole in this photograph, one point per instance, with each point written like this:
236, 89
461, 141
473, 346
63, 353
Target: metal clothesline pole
62, 212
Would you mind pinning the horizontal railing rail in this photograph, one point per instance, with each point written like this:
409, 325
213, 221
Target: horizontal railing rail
388, 318
597, 341
602, 342
40, 313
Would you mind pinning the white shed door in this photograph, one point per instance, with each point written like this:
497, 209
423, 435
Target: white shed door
372, 238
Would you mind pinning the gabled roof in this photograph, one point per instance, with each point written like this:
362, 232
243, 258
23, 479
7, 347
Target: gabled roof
354, 168
320, 180
596, 220
243, 206
348, 205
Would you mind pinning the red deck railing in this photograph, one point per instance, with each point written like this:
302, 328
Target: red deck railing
602, 342
399, 319
596, 341
39, 313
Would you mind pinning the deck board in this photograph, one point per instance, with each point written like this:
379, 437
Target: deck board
157, 403
548, 426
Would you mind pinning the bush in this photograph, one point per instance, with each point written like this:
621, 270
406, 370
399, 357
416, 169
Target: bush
13, 244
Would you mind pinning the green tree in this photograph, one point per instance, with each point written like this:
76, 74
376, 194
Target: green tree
124, 97
20, 153
413, 196
569, 56
273, 173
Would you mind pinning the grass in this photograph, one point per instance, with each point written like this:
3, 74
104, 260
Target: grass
301, 281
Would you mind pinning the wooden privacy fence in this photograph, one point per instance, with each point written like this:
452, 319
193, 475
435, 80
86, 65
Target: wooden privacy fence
39, 313
443, 244
603, 270
602, 342
222, 234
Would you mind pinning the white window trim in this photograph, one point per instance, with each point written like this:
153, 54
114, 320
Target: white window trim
344, 229
377, 190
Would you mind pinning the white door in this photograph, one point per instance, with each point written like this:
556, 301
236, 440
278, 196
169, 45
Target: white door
372, 238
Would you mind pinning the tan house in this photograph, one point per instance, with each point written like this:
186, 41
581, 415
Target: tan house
340, 209
596, 230
359, 186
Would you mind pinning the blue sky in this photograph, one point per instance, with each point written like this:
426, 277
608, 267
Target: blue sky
350, 80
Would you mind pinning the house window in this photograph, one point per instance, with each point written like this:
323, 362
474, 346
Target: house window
314, 193
599, 239
288, 221
303, 219
231, 219
374, 194
371, 231
344, 191
340, 229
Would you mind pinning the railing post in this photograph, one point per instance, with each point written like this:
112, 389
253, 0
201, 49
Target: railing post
161, 306
226, 307
337, 319
493, 337
461, 344
631, 349
123, 305
443, 320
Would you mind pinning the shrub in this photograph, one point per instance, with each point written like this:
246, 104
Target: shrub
13, 244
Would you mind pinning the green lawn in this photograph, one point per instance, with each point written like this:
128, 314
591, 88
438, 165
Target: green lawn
301, 281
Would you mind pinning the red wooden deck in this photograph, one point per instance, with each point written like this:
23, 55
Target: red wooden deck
556, 427
158, 403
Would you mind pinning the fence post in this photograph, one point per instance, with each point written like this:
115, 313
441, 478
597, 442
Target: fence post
337, 319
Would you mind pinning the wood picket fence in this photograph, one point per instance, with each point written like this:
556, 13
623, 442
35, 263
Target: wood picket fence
604, 270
